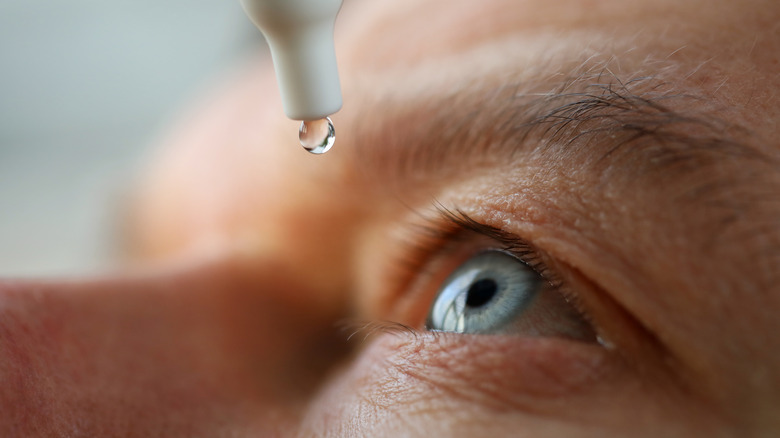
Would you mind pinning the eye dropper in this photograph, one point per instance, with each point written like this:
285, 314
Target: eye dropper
300, 36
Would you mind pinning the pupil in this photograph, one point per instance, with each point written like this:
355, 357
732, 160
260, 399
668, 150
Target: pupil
480, 292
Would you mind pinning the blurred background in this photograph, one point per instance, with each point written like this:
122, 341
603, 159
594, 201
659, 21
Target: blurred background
85, 87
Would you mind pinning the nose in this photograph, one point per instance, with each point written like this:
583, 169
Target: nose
210, 349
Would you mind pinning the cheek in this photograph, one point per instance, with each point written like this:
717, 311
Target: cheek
465, 386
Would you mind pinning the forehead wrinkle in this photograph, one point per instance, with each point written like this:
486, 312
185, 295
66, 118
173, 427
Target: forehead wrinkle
427, 136
592, 121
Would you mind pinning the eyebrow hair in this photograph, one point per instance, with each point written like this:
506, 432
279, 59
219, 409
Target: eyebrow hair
577, 115
639, 127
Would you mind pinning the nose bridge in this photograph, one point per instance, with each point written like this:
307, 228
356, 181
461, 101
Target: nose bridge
316, 239
188, 344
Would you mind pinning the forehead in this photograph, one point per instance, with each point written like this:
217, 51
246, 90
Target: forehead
731, 46
414, 30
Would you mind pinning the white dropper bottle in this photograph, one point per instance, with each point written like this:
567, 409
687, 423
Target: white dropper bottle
300, 36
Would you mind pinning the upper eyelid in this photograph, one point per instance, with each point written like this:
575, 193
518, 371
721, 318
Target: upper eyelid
462, 220
509, 242
452, 224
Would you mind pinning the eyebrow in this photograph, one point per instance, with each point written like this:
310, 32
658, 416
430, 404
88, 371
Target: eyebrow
648, 136
642, 126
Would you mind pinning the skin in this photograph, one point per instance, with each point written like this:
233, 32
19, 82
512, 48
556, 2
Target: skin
247, 252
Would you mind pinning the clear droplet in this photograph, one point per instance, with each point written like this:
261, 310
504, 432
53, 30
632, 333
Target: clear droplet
317, 136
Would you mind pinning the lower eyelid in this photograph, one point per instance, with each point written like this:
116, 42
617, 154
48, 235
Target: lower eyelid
505, 370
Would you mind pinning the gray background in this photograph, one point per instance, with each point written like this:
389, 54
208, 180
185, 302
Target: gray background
85, 85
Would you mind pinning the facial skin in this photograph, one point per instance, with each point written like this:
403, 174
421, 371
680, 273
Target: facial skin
631, 147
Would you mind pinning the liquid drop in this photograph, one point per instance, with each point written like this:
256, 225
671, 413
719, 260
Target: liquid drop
317, 136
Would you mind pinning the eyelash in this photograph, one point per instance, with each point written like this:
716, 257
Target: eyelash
451, 227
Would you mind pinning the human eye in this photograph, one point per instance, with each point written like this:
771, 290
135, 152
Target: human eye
494, 291
481, 280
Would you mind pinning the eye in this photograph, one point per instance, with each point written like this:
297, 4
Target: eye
495, 292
